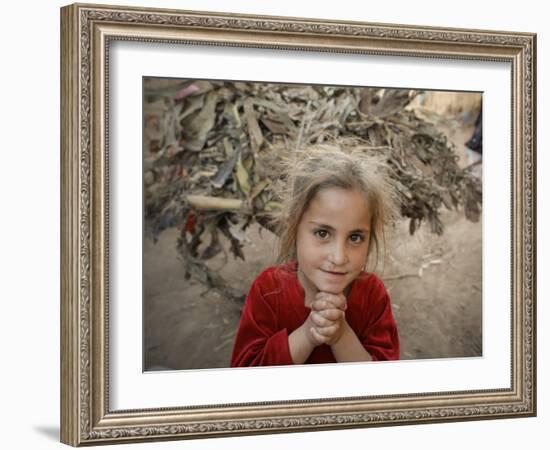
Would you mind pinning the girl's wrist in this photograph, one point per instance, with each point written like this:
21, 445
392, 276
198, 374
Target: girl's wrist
306, 330
300, 344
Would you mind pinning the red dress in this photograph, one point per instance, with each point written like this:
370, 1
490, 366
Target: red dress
274, 308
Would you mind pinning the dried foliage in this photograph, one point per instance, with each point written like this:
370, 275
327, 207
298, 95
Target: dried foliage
214, 148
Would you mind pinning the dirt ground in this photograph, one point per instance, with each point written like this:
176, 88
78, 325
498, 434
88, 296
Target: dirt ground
435, 283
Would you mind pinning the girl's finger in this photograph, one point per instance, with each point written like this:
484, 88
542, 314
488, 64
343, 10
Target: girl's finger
319, 320
332, 314
320, 305
319, 338
327, 331
338, 300
323, 305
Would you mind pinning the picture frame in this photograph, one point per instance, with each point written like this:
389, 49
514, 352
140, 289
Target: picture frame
87, 35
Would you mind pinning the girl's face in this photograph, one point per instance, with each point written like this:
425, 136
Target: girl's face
332, 242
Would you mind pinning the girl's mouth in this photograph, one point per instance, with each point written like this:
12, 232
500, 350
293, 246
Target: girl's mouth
334, 273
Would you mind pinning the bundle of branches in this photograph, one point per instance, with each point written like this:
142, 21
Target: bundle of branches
212, 164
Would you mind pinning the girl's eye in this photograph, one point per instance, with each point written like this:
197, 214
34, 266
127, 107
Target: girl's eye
323, 234
356, 238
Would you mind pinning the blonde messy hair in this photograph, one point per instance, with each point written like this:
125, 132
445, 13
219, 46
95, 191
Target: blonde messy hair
347, 164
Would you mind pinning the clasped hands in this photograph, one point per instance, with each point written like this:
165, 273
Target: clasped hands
327, 318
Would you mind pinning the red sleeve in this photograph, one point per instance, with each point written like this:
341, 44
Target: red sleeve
259, 342
380, 337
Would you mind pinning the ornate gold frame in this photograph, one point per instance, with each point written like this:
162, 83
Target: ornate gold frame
86, 31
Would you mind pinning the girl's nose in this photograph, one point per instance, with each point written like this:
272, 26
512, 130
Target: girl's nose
338, 255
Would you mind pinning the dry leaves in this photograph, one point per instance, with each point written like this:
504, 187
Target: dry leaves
213, 151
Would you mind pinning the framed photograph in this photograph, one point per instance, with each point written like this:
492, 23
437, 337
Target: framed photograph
195, 303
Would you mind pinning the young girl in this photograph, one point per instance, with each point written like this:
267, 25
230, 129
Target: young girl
319, 305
